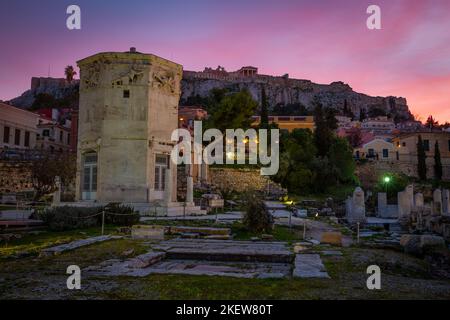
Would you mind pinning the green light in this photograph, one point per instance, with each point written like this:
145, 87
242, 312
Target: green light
387, 179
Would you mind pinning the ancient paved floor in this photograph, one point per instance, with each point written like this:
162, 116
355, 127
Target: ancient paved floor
242, 259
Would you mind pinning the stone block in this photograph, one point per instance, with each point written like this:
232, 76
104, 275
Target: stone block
404, 205
309, 266
200, 230
418, 244
333, 238
146, 260
147, 232
431, 241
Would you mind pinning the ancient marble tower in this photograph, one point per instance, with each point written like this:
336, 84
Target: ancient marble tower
128, 110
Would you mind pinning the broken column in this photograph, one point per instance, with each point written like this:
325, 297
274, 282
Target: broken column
404, 205
446, 202
437, 202
168, 187
418, 200
382, 203
410, 192
356, 207
190, 190
57, 194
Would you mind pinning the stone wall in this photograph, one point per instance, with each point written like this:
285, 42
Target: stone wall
239, 180
15, 176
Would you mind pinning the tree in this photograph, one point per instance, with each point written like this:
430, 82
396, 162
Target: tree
46, 166
362, 115
421, 160
341, 158
70, 73
43, 100
377, 112
297, 154
256, 216
437, 162
347, 111
323, 133
233, 111
354, 137
330, 119
431, 123
264, 123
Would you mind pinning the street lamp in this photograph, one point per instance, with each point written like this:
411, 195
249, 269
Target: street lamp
387, 179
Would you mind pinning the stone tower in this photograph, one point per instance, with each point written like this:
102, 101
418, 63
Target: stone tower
128, 110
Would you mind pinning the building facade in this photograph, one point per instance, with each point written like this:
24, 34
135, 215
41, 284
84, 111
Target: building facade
52, 137
288, 123
406, 151
377, 150
128, 111
18, 128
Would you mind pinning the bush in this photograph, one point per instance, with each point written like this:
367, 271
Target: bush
68, 218
121, 215
256, 217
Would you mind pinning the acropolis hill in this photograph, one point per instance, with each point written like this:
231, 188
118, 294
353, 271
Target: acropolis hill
279, 90
284, 90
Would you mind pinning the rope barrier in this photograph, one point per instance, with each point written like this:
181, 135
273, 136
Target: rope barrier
97, 214
122, 214
86, 217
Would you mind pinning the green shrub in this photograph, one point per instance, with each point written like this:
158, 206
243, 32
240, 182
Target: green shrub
121, 215
256, 217
68, 218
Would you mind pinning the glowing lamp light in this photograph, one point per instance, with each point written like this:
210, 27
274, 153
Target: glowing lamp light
387, 179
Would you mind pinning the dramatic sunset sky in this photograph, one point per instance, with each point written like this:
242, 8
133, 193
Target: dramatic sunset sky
323, 41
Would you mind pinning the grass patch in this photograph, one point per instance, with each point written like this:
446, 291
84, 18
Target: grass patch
33, 243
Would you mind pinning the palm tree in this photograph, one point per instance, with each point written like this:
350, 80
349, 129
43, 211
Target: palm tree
431, 123
70, 72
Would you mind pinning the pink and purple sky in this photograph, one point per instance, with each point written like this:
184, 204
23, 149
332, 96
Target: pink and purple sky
320, 40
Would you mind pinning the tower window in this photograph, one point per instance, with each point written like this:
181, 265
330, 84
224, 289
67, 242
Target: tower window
126, 93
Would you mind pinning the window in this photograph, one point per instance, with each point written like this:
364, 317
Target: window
448, 145
6, 135
161, 166
17, 137
426, 145
371, 153
68, 138
89, 187
61, 133
385, 153
398, 156
27, 138
46, 133
126, 93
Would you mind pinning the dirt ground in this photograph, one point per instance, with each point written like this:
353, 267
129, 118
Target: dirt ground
403, 277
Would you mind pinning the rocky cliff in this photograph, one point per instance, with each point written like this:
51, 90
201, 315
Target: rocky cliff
279, 91
59, 88
284, 90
